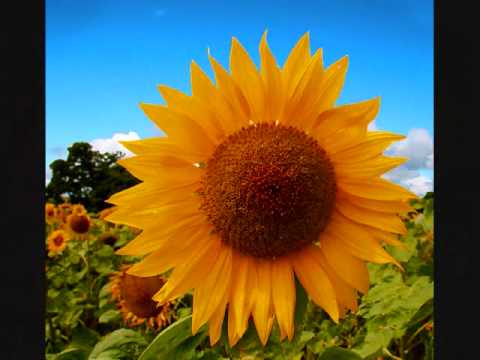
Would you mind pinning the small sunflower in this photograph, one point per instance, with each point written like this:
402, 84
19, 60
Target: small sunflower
51, 213
64, 210
57, 241
78, 209
260, 180
78, 224
108, 238
133, 296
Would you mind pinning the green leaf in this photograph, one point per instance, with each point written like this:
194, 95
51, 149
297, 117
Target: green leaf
71, 354
105, 252
84, 338
109, 316
114, 340
388, 308
337, 353
301, 304
168, 340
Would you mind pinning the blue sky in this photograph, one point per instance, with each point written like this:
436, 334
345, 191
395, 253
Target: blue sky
104, 57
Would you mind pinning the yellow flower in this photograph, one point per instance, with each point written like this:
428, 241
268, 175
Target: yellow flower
78, 209
51, 213
78, 223
262, 179
64, 210
57, 241
133, 297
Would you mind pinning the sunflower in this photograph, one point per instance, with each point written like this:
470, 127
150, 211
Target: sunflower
78, 209
133, 297
51, 213
57, 241
108, 238
78, 224
260, 180
64, 210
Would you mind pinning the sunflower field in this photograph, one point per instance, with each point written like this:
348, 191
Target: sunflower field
96, 311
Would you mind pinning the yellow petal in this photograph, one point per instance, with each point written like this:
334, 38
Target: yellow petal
189, 274
324, 94
240, 296
194, 109
184, 132
296, 64
349, 268
315, 281
367, 169
170, 251
263, 298
306, 89
377, 189
380, 220
354, 239
371, 146
215, 323
387, 237
245, 74
226, 119
213, 289
346, 294
334, 121
155, 218
231, 92
233, 335
283, 294
161, 146
388, 206
157, 198
272, 80
160, 171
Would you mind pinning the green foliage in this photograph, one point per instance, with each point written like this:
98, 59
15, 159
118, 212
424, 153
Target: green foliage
394, 320
87, 177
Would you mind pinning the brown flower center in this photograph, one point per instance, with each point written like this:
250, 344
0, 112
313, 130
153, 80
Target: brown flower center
137, 293
80, 224
268, 190
58, 240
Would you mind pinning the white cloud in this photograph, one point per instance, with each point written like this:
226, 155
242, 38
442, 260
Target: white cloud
416, 173
419, 184
48, 176
112, 144
418, 147
372, 126
411, 179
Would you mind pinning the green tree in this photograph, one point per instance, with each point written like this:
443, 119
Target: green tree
87, 177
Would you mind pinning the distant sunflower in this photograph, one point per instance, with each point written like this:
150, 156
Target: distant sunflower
64, 210
133, 296
79, 224
50, 213
262, 179
108, 238
78, 209
57, 241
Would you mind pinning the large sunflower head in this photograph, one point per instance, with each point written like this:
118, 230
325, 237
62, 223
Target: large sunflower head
261, 179
57, 242
133, 296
